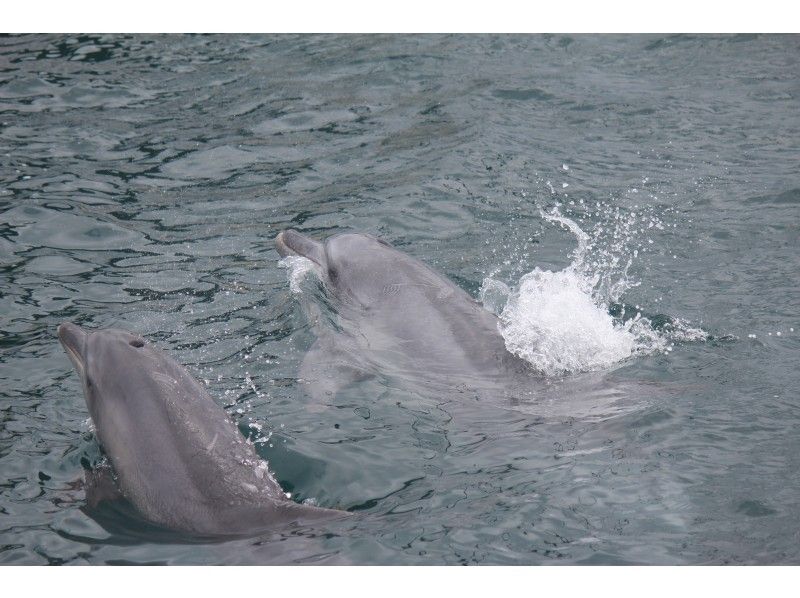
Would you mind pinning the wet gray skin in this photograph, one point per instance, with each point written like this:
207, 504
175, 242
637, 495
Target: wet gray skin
397, 317
177, 457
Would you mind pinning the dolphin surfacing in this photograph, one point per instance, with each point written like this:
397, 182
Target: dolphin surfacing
398, 317
178, 458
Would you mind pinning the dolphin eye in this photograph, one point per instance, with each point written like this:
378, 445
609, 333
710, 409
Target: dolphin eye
137, 342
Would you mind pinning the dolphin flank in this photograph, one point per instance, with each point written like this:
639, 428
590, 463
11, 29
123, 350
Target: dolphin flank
178, 458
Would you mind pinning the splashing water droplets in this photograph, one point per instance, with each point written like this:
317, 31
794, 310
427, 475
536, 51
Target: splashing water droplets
553, 322
298, 267
560, 321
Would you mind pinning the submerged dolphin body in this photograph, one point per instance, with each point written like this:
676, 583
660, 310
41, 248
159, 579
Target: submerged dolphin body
398, 317
178, 458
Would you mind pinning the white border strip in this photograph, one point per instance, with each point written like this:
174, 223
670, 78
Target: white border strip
401, 16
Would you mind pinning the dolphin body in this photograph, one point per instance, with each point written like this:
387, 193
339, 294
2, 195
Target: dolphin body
177, 457
399, 318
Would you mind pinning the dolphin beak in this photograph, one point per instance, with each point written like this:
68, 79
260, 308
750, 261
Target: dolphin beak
73, 338
290, 242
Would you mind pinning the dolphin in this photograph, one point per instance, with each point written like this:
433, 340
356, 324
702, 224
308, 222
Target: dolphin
399, 318
176, 455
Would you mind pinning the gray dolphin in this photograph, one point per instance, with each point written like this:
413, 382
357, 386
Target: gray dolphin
178, 458
398, 317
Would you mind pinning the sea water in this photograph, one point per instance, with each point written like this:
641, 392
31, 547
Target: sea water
628, 206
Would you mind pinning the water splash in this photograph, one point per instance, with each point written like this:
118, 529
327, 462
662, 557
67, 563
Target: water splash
298, 268
560, 321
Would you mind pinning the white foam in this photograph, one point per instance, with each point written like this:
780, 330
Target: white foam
553, 322
298, 267
560, 321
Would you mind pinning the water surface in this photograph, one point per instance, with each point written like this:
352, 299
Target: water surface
143, 180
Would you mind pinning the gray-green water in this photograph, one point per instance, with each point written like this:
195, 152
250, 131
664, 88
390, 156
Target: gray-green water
143, 182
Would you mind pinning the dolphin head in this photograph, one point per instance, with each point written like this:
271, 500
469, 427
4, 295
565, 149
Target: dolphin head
106, 361
355, 266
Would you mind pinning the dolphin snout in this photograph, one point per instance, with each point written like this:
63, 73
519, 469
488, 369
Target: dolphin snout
71, 334
73, 338
281, 246
290, 242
